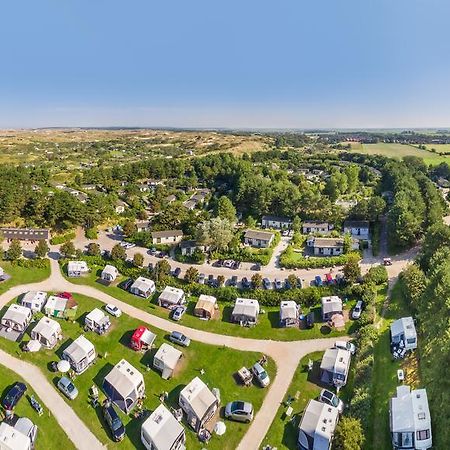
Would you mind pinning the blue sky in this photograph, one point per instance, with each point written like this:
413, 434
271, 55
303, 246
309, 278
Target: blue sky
292, 63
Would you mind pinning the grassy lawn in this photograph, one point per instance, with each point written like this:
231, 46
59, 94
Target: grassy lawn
267, 328
219, 364
49, 431
21, 275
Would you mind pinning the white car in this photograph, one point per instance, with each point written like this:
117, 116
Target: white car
261, 375
357, 310
345, 346
113, 310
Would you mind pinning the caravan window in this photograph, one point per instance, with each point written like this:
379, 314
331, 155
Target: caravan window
407, 439
411, 340
423, 434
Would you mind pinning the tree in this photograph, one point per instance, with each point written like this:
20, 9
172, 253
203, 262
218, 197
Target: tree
41, 249
250, 222
376, 206
15, 250
161, 270
415, 284
118, 252
297, 225
347, 243
226, 209
216, 233
220, 280
351, 268
349, 434
138, 259
129, 228
256, 281
292, 280
352, 173
191, 275
93, 249
67, 249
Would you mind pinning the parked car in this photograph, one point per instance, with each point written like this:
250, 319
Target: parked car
218, 263
332, 399
278, 284
246, 284
357, 310
236, 265
67, 388
178, 312
176, 272
150, 267
346, 346
13, 396
152, 251
239, 411
267, 283
300, 283
387, 261
125, 285
113, 310
256, 267
201, 278
113, 421
228, 263
210, 281
179, 338
310, 320
318, 280
261, 375
233, 280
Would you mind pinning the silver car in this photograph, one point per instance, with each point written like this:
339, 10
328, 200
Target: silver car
332, 399
179, 338
239, 411
67, 388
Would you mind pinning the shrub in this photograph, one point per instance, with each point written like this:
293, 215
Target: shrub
42, 263
291, 260
376, 275
197, 257
61, 238
91, 233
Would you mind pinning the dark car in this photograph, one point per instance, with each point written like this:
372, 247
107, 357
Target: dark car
176, 272
113, 421
210, 281
233, 280
152, 251
125, 285
318, 281
13, 396
218, 263
236, 265
310, 320
246, 284
267, 283
150, 267
256, 266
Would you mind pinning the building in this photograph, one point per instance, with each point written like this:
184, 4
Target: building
171, 296
187, 248
289, 314
16, 319
315, 226
205, 307
61, 308
276, 222
316, 429
167, 237
80, 354
245, 311
13, 439
97, 321
77, 268
109, 273
34, 300
358, 229
142, 339
142, 225
170, 198
161, 431
190, 204
410, 420
25, 234
198, 403
403, 333
335, 367
330, 306
143, 287
47, 332
166, 360
120, 207
260, 239
326, 246
124, 385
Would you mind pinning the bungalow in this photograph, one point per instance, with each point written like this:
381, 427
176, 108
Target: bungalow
80, 354
120, 207
97, 321
17, 318
161, 431
61, 308
170, 199
189, 247
143, 287
315, 226
258, 238
171, 296
335, 366
276, 222
109, 273
77, 268
289, 314
205, 307
124, 385
403, 333
142, 226
358, 229
199, 403
47, 332
166, 360
167, 237
316, 429
190, 204
330, 306
245, 311
326, 246
25, 234
13, 439
410, 420
34, 300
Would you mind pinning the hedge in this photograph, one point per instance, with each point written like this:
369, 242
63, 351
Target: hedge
39, 263
62, 238
313, 262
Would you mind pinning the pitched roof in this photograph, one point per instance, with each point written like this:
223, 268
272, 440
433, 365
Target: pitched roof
356, 224
261, 235
166, 233
328, 242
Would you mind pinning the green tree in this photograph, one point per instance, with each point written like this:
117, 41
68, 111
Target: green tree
415, 283
352, 174
15, 250
118, 252
250, 222
138, 259
216, 233
161, 270
191, 275
41, 249
93, 249
256, 281
220, 280
348, 241
292, 279
349, 434
129, 228
376, 207
226, 209
351, 268
67, 249
297, 225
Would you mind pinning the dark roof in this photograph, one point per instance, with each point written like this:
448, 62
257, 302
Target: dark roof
261, 235
189, 244
356, 223
25, 234
277, 219
167, 233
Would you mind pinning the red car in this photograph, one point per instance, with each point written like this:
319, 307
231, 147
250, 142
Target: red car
66, 295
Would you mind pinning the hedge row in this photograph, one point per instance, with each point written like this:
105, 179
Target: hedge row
288, 261
62, 238
40, 263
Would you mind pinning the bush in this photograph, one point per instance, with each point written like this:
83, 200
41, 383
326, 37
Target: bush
197, 257
42, 263
291, 260
376, 275
62, 238
91, 233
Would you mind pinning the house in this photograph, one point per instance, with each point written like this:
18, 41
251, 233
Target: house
316, 226
330, 306
403, 333
335, 366
97, 321
80, 354
142, 339
143, 287
205, 307
189, 247
190, 204
124, 385
34, 300
171, 296
120, 207
245, 311
16, 318
326, 246
77, 268
410, 420
276, 222
61, 308
13, 439
170, 199
47, 332
358, 229
260, 239
161, 431
109, 273
289, 314
316, 428
142, 225
166, 360
199, 403
25, 234
167, 237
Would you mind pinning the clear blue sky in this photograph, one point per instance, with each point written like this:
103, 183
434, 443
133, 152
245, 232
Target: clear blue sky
247, 63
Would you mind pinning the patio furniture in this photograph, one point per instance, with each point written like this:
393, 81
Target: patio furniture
245, 376
289, 411
400, 375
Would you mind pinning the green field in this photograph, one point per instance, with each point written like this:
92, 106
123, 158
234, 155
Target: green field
439, 148
21, 275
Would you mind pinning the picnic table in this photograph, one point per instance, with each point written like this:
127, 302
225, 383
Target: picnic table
245, 376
